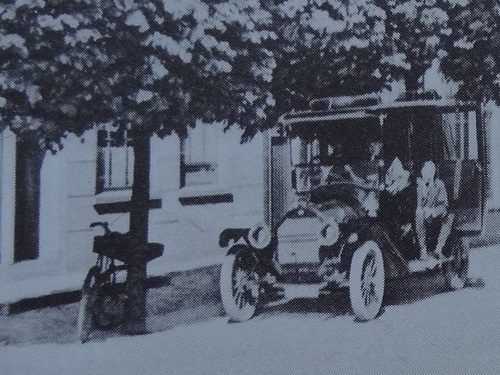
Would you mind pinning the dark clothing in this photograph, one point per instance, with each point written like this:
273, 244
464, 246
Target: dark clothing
432, 229
398, 213
400, 207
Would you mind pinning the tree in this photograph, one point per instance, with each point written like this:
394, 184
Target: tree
153, 67
176, 62
32, 43
472, 60
325, 48
416, 32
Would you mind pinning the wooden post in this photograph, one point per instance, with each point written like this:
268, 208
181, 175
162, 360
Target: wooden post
135, 306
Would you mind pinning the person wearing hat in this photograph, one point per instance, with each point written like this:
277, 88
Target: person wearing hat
367, 177
397, 205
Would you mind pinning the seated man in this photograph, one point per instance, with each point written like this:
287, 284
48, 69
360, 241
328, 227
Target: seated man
367, 177
312, 176
432, 210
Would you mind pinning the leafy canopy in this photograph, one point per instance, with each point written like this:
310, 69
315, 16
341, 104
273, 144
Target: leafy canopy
159, 65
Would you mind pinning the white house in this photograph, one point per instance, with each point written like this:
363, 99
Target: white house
204, 183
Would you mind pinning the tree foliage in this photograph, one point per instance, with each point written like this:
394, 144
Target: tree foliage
325, 47
416, 33
472, 58
156, 65
159, 65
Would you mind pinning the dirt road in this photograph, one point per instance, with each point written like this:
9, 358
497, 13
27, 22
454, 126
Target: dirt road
422, 330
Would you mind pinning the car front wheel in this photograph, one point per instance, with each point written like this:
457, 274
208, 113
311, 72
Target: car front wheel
367, 281
239, 286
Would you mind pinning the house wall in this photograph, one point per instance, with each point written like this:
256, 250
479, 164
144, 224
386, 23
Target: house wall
50, 207
189, 232
68, 195
492, 118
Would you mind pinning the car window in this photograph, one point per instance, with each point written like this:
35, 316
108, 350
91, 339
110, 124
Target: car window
458, 136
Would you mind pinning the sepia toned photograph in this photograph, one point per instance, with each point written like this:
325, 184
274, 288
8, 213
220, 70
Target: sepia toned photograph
249, 187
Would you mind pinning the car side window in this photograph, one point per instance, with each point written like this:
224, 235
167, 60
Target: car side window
454, 136
396, 136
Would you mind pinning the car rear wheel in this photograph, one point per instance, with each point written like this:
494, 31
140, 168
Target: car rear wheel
367, 281
239, 286
457, 270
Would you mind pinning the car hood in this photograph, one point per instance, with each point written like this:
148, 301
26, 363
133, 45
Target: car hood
299, 234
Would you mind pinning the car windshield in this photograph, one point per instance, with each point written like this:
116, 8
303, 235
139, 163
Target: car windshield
334, 153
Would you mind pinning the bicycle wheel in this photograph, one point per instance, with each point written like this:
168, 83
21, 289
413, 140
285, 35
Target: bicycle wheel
110, 303
86, 308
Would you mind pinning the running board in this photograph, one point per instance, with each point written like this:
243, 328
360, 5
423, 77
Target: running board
426, 265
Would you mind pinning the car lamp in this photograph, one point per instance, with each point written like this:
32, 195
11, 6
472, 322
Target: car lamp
329, 233
259, 236
352, 238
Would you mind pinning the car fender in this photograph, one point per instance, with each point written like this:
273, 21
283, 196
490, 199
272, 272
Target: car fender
369, 231
263, 258
247, 253
258, 237
233, 235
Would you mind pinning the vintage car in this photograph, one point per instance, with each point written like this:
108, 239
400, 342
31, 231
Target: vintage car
361, 191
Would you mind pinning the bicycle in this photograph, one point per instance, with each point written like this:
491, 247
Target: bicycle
104, 289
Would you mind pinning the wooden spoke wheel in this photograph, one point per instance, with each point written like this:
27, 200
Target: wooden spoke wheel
367, 281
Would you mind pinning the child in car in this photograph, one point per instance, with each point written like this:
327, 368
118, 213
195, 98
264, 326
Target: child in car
432, 210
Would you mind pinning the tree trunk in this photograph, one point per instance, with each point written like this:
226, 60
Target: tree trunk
135, 307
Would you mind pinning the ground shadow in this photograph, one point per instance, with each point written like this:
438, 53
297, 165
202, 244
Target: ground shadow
178, 298
419, 287
190, 297
398, 292
334, 304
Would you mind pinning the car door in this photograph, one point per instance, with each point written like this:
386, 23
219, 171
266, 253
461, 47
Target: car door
460, 167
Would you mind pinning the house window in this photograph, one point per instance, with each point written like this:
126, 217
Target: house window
115, 160
199, 156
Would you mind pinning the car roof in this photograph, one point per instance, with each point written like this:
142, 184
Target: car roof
365, 106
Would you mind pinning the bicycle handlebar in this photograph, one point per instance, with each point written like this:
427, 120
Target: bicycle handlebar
103, 224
